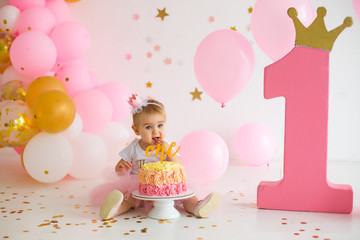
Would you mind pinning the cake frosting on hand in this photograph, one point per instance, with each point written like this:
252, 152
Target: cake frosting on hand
162, 179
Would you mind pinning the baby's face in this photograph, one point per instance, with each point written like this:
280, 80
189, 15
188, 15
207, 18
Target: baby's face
152, 128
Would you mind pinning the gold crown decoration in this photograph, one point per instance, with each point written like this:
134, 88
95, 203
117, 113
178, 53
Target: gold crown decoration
316, 35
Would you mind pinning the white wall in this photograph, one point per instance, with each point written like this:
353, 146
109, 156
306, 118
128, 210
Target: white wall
114, 33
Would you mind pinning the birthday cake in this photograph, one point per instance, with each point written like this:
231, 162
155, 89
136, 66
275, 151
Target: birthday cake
162, 179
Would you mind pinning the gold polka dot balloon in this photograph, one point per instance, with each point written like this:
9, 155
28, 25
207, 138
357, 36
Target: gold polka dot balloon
17, 124
13, 90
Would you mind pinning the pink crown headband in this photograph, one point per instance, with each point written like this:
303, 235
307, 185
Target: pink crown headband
137, 103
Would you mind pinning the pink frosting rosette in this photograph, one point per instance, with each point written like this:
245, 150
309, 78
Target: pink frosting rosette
143, 189
163, 190
152, 190
172, 189
183, 187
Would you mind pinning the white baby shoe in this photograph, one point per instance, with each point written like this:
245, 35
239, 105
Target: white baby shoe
111, 205
207, 205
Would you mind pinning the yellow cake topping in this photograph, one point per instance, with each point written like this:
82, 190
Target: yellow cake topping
160, 166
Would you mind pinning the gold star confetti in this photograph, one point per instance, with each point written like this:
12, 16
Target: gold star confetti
211, 19
162, 14
168, 61
196, 94
250, 9
157, 48
233, 28
149, 84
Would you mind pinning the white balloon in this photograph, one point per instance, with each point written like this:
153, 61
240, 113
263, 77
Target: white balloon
9, 16
75, 128
11, 74
90, 156
48, 157
116, 137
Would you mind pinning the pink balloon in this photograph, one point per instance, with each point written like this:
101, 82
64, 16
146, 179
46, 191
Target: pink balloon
75, 77
118, 94
36, 19
94, 108
33, 53
205, 157
23, 4
71, 39
224, 62
254, 144
95, 80
60, 9
356, 6
59, 63
90, 156
273, 29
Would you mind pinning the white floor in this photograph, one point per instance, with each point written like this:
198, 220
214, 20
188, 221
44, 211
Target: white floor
32, 210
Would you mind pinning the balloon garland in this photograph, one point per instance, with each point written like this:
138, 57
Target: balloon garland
45, 94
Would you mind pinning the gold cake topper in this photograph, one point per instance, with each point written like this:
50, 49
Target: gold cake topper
316, 35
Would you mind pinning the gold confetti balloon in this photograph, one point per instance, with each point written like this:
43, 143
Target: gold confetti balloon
5, 44
13, 90
17, 124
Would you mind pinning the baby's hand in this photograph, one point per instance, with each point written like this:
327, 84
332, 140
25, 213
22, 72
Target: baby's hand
123, 166
162, 142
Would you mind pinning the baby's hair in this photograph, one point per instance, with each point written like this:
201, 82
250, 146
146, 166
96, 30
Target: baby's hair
156, 107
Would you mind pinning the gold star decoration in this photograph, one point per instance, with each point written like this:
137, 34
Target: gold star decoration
157, 48
149, 84
196, 94
168, 61
250, 9
233, 28
162, 14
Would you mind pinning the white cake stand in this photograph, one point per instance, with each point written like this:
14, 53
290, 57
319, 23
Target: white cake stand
163, 206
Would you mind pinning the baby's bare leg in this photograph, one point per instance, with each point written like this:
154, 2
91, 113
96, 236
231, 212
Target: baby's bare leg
190, 204
124, 207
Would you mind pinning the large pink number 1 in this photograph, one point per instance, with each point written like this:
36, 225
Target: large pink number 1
302, 77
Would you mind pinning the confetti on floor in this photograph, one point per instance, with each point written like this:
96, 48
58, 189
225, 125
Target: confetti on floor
30, 210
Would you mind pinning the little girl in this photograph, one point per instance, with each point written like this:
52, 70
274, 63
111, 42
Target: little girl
149, 121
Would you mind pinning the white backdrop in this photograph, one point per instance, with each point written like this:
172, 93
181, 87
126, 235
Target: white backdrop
115, 34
